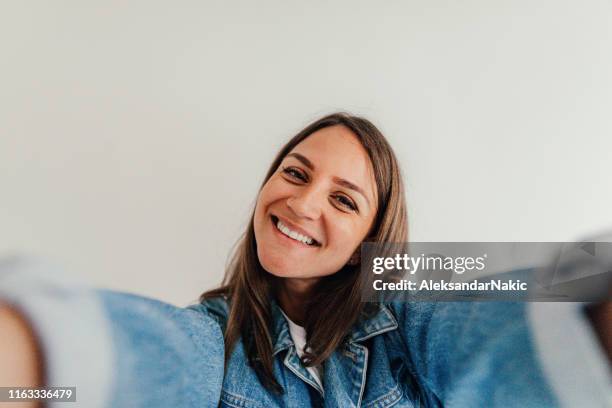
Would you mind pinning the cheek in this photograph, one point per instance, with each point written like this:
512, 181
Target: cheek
347, 234
273, 191
265, 196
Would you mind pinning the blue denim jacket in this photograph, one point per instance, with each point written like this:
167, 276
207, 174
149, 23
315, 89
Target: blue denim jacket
123, 350
468, 354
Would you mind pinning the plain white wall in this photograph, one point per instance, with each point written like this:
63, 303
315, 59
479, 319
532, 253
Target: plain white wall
134, 135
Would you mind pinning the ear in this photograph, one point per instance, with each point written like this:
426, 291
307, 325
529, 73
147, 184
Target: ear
355, 258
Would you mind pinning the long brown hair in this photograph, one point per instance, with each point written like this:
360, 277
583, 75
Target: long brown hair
250, 289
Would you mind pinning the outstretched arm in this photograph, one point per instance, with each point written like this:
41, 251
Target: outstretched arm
118, 350
507, 353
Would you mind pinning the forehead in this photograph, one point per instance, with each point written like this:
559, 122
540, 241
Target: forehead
336, 151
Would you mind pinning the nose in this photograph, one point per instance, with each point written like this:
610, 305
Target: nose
306, 203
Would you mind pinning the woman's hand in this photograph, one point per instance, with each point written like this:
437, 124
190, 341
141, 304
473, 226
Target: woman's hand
601, 318
20, 358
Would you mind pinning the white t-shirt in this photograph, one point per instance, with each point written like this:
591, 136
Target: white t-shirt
298, 335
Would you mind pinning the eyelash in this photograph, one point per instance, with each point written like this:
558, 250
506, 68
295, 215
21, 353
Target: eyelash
346, 202
342, 200
295, 173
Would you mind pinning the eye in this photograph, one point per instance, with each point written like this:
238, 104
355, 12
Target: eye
345, 202
295, 174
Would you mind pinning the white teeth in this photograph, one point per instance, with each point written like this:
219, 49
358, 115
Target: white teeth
293, 234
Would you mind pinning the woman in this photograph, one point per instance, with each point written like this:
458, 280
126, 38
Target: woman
296, 332
320, 199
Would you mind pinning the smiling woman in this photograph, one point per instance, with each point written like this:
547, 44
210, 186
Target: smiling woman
321, 198
296, 330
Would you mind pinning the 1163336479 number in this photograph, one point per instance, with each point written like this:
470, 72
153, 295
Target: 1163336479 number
58, 394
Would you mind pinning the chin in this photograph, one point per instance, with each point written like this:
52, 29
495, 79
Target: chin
274, 264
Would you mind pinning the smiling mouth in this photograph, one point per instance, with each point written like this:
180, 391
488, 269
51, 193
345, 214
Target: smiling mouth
294, 235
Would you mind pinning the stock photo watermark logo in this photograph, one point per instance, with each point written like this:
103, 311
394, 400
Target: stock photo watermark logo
472, 271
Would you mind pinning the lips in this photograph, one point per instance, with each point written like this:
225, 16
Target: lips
293, 232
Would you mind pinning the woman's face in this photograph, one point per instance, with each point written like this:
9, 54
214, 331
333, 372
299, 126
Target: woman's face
318, 206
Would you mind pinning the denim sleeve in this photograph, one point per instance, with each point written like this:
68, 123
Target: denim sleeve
473, 354
572, 356
119, 350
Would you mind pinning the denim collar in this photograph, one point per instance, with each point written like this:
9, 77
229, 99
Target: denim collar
381, 322
366, 327
282, 338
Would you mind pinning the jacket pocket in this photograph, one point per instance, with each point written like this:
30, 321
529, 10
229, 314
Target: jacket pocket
394, 398
231, 400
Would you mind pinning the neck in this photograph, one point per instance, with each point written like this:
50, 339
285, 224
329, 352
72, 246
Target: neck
293, 296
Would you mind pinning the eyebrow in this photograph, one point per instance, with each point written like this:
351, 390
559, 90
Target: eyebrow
303, 159
340, 181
